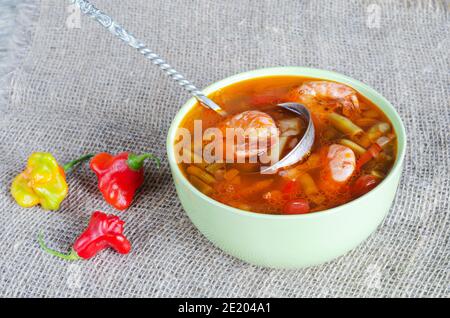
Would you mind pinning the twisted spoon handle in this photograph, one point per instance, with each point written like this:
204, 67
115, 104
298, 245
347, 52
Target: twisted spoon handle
91, 11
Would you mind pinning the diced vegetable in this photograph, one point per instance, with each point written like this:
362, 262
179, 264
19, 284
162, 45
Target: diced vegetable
243, 206
371, 113
377, 174
297, 206
213, 167
310, 189
230, 174
201, 174
200, 185
364, 184
218, 174
378, 130
365, 122
344, 125
196, 158
384, 140
362, 140
257, 187
312, 162
277, 150
240, 205
384, 157
290, 126
363, 106
290, 187
330, 133
371, 153
353, 146
248, 167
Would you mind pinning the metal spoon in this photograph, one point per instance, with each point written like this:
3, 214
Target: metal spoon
90, 10
303, 147
295, 155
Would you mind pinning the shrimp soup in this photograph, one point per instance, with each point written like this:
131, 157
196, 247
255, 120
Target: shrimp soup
354, 147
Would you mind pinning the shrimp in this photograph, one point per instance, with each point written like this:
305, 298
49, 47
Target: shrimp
256, 132
340, 164
310, 93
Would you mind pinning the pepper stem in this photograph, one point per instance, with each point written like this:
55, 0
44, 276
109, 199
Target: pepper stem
135, 162
72, 256
68, 166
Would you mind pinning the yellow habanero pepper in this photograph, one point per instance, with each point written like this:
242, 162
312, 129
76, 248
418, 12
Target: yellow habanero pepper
42, 182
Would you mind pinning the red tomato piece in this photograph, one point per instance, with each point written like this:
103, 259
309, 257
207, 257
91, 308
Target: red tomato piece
364, 184
289, 187
297, 206
372, 152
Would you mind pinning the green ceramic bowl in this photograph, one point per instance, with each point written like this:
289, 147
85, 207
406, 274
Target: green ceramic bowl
289, 241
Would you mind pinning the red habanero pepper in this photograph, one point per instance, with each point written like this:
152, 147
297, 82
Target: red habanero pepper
120, 176
102, 232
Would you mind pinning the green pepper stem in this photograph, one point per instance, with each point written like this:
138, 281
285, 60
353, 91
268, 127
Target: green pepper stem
135, 162
68, 166
72, 256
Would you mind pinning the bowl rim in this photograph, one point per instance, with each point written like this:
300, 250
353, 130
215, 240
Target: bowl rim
362, 89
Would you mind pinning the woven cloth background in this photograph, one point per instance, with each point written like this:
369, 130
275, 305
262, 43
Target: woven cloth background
78, 90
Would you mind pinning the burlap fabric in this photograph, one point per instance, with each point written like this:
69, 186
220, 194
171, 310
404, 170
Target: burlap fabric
78, 90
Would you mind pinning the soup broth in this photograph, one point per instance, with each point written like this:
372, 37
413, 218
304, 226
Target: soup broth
354, 147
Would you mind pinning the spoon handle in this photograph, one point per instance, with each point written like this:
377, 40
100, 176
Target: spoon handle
105, 20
